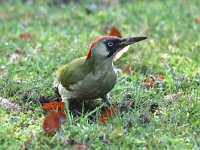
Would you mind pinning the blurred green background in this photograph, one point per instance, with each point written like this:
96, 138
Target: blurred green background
37, 37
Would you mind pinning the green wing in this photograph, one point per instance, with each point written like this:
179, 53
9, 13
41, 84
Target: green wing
73, 72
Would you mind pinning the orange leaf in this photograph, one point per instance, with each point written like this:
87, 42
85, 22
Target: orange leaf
18, 52
128, 70
160, 78
26, 36
149, 82
62, 117
54, 106
197, 20
53, 121
115, 32
108, 114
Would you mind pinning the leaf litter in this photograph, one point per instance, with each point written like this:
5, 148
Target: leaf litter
53, 122
26, 36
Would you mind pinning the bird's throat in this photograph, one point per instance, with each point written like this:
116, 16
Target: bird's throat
101, 65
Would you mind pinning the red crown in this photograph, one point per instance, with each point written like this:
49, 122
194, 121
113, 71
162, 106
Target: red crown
96, 41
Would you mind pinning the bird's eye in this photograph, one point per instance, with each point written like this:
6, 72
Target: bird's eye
110, 44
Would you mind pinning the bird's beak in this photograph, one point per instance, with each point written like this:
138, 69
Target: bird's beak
127, 41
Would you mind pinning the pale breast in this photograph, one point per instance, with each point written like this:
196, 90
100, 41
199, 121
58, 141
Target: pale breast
94, 85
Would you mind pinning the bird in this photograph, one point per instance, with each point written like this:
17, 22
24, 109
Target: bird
93, 76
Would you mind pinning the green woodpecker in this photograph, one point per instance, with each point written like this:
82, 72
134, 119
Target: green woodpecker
94, 76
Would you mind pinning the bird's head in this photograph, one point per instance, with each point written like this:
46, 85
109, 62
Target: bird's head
106, 47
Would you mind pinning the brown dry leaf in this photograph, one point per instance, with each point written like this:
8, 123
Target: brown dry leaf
9, 105
197, 20
160, 78
115, 32
128, 70
26, 36
18, 52
53, 121
155, 82
80, 147
54, 106
108, 114
62, 117
149, 83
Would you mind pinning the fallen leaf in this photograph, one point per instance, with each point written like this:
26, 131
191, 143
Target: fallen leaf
18, 52
80, 147
197, 20
128, 70
155, 82
9, 105
53, 121
26, 36
149, 83
108, 114
54, 106
160, 78
115, 32
62, 117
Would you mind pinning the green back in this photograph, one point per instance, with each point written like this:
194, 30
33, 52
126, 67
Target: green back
74, 71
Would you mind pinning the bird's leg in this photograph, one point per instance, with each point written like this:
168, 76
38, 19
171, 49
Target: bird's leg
106, 99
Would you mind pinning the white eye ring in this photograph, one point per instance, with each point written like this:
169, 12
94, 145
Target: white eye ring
110, 44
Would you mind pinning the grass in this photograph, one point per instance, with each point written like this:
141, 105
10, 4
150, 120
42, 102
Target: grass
64, 33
